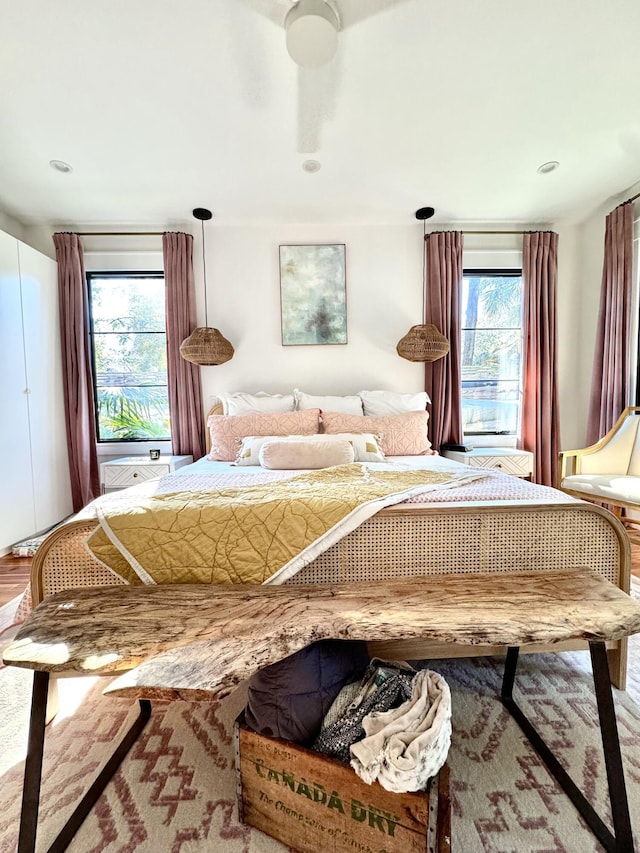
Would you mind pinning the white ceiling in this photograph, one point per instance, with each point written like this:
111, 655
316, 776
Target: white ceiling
162, 105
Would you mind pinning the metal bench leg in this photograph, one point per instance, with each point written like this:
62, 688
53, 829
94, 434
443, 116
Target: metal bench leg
33, 764
33, 772
611, 747
622, 842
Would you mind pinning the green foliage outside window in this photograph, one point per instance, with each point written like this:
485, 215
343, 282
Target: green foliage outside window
491, 351
130, 356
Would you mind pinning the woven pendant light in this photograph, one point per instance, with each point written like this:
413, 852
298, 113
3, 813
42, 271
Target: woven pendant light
205, 346
423, 342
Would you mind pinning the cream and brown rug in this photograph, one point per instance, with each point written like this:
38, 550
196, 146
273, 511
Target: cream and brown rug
176, 790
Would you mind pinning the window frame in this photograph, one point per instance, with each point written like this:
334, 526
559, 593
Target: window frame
504, 436
119, 274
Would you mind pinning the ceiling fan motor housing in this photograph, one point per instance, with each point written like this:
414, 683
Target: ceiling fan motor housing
312, 33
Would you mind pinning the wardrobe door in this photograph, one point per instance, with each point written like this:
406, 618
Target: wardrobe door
51, 490
17, 511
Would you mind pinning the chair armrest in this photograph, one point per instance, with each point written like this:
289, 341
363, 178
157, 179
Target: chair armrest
567, 463
610, 455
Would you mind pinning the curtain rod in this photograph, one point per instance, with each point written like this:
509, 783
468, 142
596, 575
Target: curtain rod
633, 198
488, 232
119, 233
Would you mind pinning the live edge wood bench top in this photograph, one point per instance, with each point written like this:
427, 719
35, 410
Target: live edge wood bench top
196, 640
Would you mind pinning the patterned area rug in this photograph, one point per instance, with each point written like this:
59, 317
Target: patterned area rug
176, 789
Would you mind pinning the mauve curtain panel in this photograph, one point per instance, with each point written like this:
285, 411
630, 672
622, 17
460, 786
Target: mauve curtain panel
610, 380
540, 414
79, 397
443, 266
185, 392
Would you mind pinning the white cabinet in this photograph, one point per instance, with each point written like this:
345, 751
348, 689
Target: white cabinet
507, 459
132, 470
35, 492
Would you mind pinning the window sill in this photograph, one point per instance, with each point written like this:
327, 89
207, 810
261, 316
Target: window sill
115, 449
491, 440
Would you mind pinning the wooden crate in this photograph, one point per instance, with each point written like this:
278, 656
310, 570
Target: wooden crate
311, 802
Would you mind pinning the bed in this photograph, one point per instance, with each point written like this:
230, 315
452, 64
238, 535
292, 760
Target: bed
496, 523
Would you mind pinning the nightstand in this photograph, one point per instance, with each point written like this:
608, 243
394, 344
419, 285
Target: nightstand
506, 459
131, 470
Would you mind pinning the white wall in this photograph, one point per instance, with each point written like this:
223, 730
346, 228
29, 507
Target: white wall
11, 226
384, 298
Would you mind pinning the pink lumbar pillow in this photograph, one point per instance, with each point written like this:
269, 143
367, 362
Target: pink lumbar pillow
400, 435
310, 453
227, 431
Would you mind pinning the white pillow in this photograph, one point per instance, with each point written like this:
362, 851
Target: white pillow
380, 403
283, 454
243, 404
366, 447
350, 405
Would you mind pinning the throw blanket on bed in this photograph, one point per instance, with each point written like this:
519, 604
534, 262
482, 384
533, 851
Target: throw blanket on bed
253, 534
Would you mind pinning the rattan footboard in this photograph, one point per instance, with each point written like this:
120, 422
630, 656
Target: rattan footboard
407, 540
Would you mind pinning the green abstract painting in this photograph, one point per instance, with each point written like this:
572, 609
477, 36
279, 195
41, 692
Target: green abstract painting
313, 295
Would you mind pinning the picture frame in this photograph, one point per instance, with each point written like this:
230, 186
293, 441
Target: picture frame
313, 294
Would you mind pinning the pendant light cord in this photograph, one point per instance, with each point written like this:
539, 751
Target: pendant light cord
424, 270
204, 272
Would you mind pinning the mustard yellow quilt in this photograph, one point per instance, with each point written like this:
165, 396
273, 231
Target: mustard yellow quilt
253, 534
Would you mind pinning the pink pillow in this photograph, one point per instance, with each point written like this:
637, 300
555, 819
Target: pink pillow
404, 434
227, 430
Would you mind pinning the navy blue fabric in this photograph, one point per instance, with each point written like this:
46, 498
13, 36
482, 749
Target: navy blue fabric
289, 699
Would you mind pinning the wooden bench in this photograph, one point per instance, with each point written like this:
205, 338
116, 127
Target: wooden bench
199, 641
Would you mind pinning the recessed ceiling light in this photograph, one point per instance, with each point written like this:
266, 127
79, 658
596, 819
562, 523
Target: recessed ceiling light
311, 166
60, 166
551, 166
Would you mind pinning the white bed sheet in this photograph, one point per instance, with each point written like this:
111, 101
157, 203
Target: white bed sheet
495, 486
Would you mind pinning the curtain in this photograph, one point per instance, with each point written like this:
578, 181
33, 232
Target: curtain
610, 379
540, 415
79, 397
185, 393
443, 267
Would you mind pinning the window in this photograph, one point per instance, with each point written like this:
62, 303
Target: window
128, 337
491, 351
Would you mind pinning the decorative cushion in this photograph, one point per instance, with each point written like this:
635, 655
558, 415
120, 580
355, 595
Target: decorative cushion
283, 454
290, 698
365, 446
613, 487
243, 404
390, 403
227, 430
400, 435
351, 405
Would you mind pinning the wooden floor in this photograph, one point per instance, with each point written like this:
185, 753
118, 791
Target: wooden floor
14, 577
15, 571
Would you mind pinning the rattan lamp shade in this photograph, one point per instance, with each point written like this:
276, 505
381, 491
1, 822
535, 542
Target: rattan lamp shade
423, 343
206, 346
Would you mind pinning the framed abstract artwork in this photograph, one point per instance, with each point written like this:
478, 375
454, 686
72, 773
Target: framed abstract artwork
313, 295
